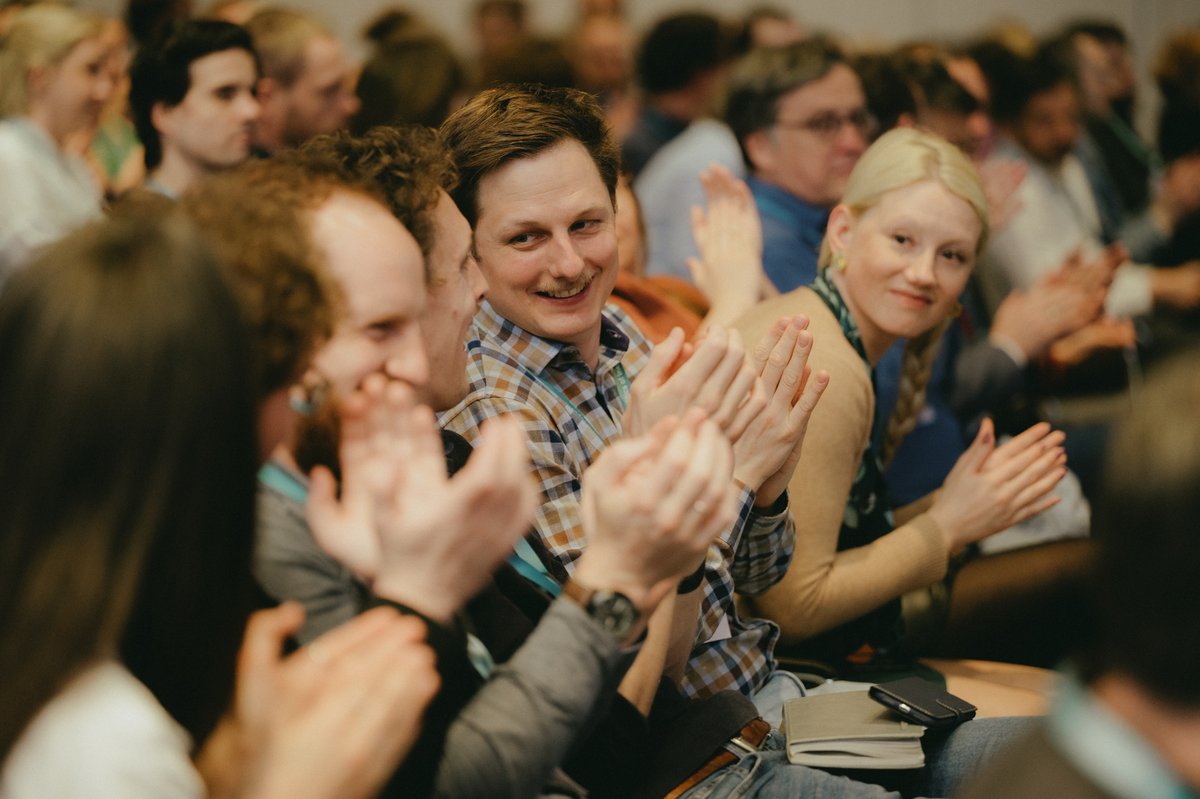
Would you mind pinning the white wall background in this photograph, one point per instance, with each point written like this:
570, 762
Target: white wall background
876, 21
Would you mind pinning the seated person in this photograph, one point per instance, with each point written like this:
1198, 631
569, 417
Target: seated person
148, 519
648, 741
901, 246
1127, 723
54, 82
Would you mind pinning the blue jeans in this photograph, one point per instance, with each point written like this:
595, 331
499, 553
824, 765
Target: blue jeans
950, 758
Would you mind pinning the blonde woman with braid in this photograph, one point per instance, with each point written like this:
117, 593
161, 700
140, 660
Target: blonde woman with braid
897, 254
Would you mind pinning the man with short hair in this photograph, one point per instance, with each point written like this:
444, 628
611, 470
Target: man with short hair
575, 651
678, 68
1038, 110
801, 118
537, 184
307, 84
191, 94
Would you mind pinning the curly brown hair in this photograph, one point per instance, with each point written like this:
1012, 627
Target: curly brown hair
406, 165
253, 217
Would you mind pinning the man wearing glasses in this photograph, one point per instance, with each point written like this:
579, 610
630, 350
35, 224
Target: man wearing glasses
800, 116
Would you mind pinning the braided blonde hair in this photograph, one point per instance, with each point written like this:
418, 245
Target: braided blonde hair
900, 158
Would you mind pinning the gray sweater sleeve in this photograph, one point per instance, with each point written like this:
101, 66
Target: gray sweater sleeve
290, 565
510, 738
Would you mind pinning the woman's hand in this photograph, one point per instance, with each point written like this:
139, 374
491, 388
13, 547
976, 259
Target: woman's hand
333, 720
992, 488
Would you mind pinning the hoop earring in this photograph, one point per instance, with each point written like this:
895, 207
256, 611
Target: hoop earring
838, 261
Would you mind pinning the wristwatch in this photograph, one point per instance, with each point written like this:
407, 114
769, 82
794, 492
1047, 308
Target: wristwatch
612, 610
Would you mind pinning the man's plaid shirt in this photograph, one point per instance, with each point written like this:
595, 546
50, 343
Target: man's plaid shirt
569, 417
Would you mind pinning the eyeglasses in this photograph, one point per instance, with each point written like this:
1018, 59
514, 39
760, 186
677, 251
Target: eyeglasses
828, 125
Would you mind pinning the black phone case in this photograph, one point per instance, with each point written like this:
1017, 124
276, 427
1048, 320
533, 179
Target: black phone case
922, 702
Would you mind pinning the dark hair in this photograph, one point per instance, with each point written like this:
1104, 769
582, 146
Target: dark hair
1014, 80
412, 76
407, 165
888, 93
765, 75
127, 426
1148, 554
514, 10
161, 71
510, 122
253, 218
1103, 31
936, 89
678, 48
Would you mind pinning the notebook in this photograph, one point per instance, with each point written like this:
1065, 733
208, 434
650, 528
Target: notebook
849, 730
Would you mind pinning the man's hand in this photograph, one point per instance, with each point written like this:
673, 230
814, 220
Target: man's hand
652, 505
1061, 303
715, 378
418, 537
767, 452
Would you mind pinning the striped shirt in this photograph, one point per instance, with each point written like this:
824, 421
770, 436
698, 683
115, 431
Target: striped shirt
570, 414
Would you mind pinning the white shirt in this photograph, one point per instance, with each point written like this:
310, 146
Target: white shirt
1056, 215
44, 192
103, 737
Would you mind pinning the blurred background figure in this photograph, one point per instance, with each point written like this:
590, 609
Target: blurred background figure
307, 85
600, 49
55, 81
771, 26
500, 27
412, 74
679, 66
1177, 72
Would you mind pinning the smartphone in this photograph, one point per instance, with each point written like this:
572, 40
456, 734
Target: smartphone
922, 702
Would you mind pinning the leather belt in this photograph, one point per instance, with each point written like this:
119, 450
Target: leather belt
747, 741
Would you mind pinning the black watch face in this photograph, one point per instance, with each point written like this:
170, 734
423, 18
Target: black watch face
615, 612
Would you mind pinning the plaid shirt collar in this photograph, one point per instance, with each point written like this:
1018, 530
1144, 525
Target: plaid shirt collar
537, 354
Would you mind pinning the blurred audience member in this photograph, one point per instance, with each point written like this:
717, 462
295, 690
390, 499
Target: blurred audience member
306, 88
1178, 74
678, 70
1127, 721
501, 27
114, 151
54, 83
801, 118
412, 74
601, 53
1037, 107
770, 26
193, 100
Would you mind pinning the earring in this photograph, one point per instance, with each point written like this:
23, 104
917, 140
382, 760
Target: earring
956, 311
838, 261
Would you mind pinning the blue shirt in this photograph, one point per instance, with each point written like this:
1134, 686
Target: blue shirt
792, 234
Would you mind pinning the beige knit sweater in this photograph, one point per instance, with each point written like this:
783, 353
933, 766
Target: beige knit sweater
824, 587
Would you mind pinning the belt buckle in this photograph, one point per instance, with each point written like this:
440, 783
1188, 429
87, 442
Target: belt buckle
740, 746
